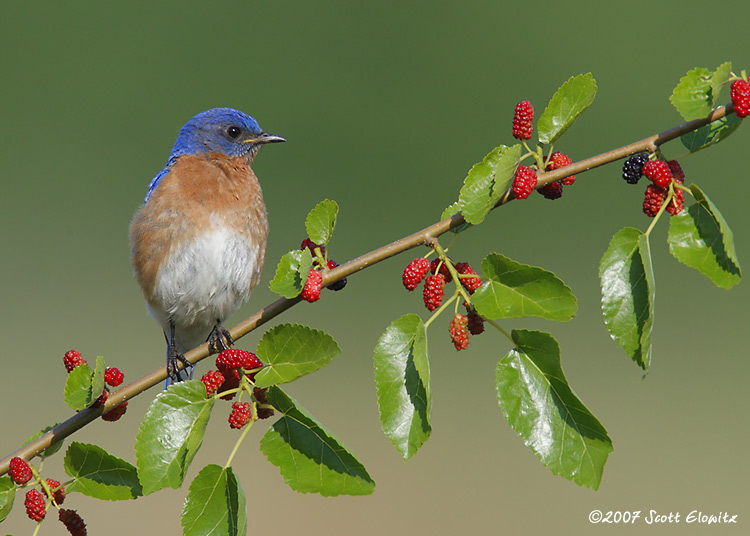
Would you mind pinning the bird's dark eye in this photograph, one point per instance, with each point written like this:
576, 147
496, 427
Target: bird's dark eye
234, 132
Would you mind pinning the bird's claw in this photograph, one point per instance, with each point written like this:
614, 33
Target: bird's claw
173, 370
220, 339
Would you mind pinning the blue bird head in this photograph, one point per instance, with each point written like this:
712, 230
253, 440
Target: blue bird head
222, 130
219, 130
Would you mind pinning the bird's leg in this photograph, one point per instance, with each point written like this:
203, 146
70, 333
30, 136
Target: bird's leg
173, 356
219, 339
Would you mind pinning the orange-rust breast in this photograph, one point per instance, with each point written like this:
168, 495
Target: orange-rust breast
200, 193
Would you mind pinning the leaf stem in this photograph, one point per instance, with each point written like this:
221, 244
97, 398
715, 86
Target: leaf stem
497, 326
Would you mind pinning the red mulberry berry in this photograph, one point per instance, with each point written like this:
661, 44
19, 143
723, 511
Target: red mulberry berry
113, 376
475, 322
524, 182
469, 283
309, 244
658, 172
230, 360
632, 169
677, 203
115, 413
654, 200
260, 395
19, 471
73, 359
250, 361
34, 503
439, 267
459, 331
311, 290
102, 398
230, 382
72, 521
558, 160
740, 94
341, 283
434, 286
522, 120
240, 415
58, 492
677, 174
212, 380
414, 272
552, 190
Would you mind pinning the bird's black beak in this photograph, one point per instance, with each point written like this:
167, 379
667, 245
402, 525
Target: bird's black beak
266, 137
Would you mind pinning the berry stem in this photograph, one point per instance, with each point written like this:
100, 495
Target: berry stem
543, 162
440, 310
529, 152
47, 490
454, 273
238, 443
667, 200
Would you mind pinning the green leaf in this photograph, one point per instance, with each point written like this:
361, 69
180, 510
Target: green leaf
49, 451
99, 474
515, 290
289, 351
171, 434
711, 133
309, 458
321, 221
402, 379
487, 181
627, 283
452, 210
84, 385
215, 504
692, 97
539, 405
291, 273
570, 101
719, 77
700, 238
7, 496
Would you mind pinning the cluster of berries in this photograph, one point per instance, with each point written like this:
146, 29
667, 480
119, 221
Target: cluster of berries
661, 174
525, 179
112, 377
231, 364
461, 326
36, 501
314, 283
435, 275
740, 94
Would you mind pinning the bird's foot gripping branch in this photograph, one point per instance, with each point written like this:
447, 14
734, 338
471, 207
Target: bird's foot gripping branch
462, 303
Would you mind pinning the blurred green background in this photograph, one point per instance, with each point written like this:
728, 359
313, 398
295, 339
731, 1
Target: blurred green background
386, 106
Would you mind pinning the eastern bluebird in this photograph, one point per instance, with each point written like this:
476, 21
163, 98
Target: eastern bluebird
198, 243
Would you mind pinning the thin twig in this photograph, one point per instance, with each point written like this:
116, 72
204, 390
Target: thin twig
425, 237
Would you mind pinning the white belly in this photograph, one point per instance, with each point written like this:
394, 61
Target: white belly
205, 279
